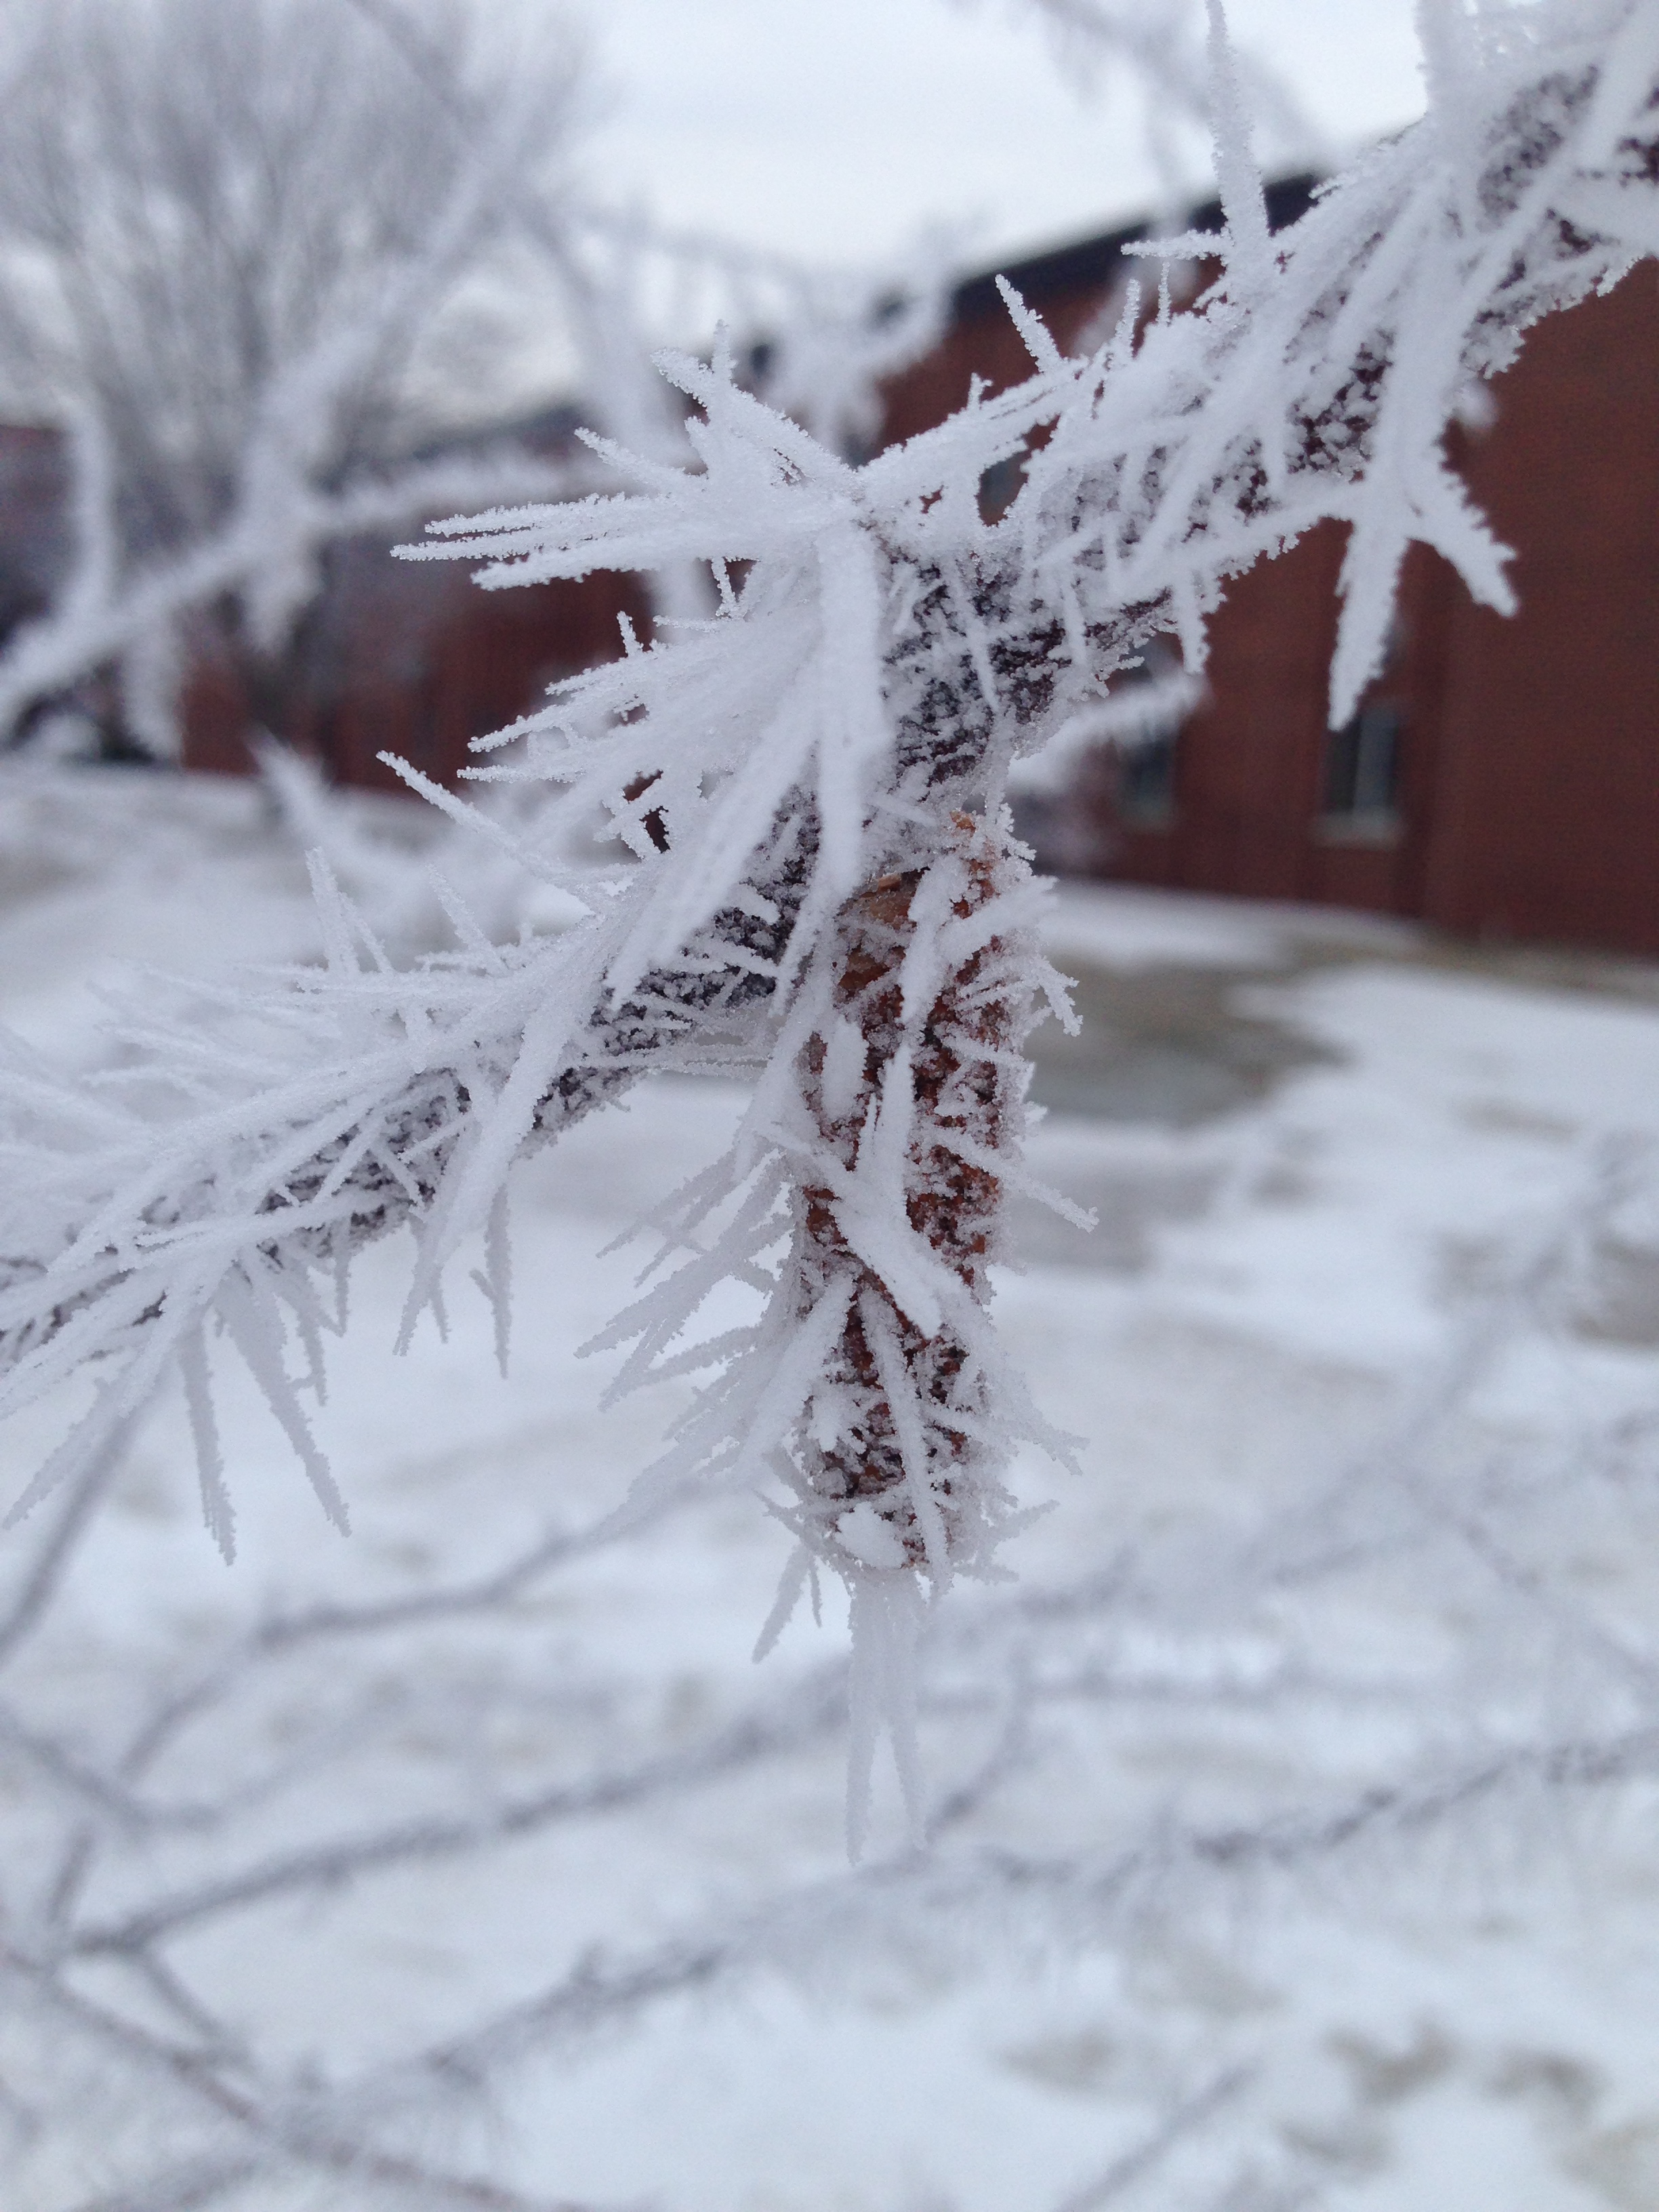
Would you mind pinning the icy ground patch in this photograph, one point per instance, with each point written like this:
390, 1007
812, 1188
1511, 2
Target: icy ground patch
1297, 1839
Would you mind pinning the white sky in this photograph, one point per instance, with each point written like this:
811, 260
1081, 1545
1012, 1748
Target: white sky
837, 132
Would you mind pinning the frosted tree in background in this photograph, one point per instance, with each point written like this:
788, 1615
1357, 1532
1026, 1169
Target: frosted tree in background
238, 253
258, 260
816, 885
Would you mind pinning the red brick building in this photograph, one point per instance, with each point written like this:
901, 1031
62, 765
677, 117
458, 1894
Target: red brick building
412, 658
392, 656
1502, 778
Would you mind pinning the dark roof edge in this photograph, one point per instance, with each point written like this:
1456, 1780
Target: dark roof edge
1094, 263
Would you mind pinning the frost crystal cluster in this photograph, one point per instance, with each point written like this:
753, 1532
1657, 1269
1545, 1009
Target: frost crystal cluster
821, 889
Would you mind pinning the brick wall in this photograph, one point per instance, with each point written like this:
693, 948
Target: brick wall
1525, 786
412, 658
1525, 797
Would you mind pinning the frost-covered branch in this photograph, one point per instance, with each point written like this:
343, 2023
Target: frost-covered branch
823, 890
359, 1108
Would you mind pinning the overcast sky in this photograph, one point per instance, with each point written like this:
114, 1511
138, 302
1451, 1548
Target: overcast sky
839, 130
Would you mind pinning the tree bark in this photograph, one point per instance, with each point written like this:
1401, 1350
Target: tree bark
960, 1058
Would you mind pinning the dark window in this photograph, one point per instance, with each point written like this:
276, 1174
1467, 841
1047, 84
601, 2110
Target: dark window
1145, 787
1362, 766
1145, 780
999, 487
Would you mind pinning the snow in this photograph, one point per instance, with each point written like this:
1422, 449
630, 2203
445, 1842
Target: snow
1368, 1387
1122, 926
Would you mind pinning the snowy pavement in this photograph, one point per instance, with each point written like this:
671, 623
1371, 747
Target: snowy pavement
1297, 1836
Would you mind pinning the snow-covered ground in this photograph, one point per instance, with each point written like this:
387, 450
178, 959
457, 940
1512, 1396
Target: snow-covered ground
1297, 1839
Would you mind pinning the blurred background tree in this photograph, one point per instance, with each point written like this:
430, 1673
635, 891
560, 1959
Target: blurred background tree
249, 257
272, 266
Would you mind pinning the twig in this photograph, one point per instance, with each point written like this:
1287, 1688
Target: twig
40, 1584
810, 1710
1136, 2163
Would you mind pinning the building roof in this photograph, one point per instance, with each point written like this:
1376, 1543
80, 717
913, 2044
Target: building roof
1093, 264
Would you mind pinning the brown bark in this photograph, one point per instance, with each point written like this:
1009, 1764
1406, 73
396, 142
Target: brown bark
965, 1086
